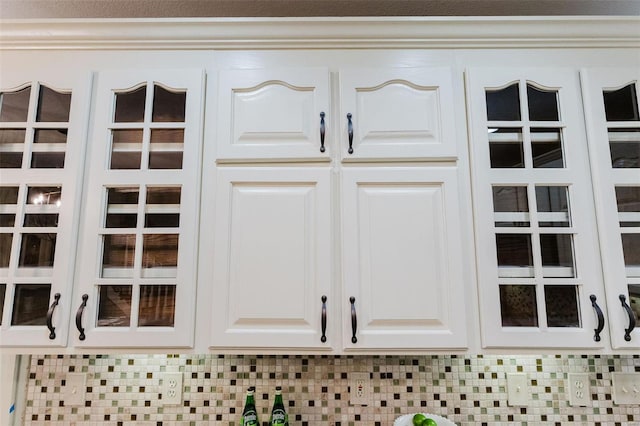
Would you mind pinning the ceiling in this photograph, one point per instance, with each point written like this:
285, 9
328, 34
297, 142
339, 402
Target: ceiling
32, 9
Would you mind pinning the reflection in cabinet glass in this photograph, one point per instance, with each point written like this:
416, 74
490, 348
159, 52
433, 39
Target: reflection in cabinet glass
30, 304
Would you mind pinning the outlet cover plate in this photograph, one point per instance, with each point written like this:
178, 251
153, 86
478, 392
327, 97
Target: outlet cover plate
517, 390
578, 387
359, 389
172, 389
626, 388
75, 386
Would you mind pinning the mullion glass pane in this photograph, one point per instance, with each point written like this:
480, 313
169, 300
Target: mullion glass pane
3, 290
168, 106
44, 195
160, 255
621, 104
546, 148
49, 148
5, 249
162, 209
8, 205
114, 306
634, 299
515, 256
11, 148
37, 250
562, 305
624, 146
518, 306
130, 106
543, 104
631, 249
505, 148
628, 201
14, 106
503, 104
126, 149
510, 206
30, 304
122, 207
553, 206
53, 106
157, 305
557, 255
118, 255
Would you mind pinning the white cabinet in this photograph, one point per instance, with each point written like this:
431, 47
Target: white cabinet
401, 258
272, 264
539, 256
42, 123
288, 234
137, 264
613, 125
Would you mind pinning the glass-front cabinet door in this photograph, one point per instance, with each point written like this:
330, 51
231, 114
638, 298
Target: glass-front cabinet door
537, 247
41, 152
137, 267
613, 124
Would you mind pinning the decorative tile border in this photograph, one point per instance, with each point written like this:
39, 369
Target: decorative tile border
125, 390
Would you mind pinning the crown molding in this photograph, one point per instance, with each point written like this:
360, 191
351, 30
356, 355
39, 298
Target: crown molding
322, 33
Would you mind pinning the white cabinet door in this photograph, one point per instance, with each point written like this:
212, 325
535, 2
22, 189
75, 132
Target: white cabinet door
397, 113
270, 114
536, 240
613, 123
137, 265
272, 263
401, 259
42, 124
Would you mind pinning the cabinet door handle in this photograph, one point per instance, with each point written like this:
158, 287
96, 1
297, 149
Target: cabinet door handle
632, 318
52, 329
600, 315
350, 132
324, 319
79, 316
354, 320
322, 131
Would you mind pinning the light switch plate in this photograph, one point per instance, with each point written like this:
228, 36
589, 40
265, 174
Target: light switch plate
74, 390
578, 386
517, 390
626, 388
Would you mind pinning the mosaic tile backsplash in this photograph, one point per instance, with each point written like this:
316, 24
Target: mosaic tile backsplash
125, 390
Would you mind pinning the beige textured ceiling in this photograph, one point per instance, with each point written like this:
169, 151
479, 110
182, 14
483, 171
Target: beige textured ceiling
17, 9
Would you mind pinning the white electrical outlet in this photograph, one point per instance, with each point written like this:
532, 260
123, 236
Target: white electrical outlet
578, 387
359, 389
626, 388
172, 389
517, 390
74, 389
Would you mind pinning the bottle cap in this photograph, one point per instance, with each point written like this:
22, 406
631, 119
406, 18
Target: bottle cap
251, 389
278, 389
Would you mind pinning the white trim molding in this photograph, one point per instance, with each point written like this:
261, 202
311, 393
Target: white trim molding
322, 33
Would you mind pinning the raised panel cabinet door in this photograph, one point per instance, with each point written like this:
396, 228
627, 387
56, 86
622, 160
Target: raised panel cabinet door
613, 126
273, 114
397, 113
137, 267
402, 268
272, 262
42, 123
536, 240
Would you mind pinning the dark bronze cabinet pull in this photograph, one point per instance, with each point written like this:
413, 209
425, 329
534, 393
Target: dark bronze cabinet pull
322, 132
350, 131
354, 320
600, 315
632, 318
52, 329
324, 319
79, 316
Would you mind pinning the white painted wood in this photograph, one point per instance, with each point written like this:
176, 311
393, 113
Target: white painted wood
272, 261
401, 113
401, 245
273, 114
95, 207
60, 276
605, 179
575, 176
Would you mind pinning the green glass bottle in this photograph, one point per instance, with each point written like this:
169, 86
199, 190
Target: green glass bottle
278, 413
249, 413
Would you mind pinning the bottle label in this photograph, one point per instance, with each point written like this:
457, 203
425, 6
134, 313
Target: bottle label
250, 419
278, 417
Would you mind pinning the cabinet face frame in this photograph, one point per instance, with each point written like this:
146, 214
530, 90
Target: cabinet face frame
102, 177
69, 178
605, 180
574, 175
